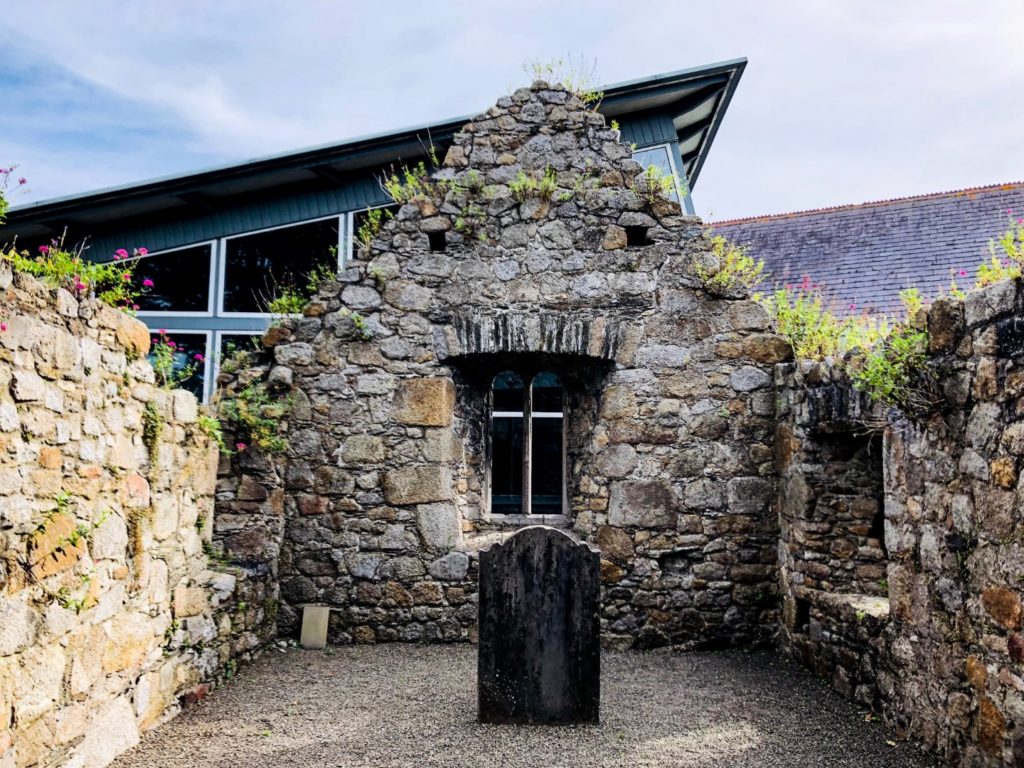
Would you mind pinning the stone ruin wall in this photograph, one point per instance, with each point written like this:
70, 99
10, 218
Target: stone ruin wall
110, 611
670, 407
943, 657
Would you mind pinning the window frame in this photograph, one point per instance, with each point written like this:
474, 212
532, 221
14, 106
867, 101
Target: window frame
525, 516
667, 146
222, 258
211, 300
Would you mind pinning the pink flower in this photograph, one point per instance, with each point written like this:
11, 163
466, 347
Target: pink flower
147, 283
199, 358
240, 446
143, 251
162, 331
22, 181
44, 249
79, 286
3, 327
963, 273
853, 306
135, 307
121, 253
126, 276
172, 345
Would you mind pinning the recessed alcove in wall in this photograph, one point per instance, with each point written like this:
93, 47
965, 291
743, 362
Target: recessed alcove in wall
523, 419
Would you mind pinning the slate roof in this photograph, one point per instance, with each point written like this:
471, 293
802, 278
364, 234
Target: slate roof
865, 254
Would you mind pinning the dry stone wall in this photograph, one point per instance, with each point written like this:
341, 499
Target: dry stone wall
943, 657
110, 610
669, 397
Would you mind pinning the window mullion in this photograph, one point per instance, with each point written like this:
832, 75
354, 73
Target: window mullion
527, 448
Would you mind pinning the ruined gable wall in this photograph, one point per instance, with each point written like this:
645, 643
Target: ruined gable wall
110, 611
670, 406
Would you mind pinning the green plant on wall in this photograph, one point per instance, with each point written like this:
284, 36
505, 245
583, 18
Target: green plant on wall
737, 271
655, 185
578, 77
172, 365
255, 416
525, 186
152, 429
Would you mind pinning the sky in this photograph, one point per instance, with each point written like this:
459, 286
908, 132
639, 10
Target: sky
841, 102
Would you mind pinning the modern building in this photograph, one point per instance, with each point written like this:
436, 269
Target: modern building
220, 240
865, 254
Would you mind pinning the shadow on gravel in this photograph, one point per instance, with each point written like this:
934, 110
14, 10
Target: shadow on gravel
404, 705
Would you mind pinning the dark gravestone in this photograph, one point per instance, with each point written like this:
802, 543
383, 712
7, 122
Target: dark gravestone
540, 646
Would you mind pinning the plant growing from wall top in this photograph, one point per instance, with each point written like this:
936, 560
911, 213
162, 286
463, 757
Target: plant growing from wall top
736, 270
578, 77
112, 282
8, 180
654, 185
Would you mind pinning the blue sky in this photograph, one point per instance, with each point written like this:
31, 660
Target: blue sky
841, 102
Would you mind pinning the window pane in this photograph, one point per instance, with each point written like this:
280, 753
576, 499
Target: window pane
257, 267
508, 392
507, 445
181, 280
186, 347
546, 463
657, 156
234, 342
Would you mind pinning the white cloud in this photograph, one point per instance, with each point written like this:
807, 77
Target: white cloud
842, 100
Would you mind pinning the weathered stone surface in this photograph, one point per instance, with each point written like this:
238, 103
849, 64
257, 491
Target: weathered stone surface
416, 485
452, 567
645, 503
424, 402
539, 634
439, 525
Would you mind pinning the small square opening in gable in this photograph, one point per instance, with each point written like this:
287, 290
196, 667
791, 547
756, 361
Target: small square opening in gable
636, 235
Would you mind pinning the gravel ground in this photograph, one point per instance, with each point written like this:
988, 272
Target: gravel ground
411, 706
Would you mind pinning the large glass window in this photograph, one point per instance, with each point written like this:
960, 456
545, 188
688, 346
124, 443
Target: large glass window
527, 445
180, 280
365, 224
660, 158
189, 354
260, 266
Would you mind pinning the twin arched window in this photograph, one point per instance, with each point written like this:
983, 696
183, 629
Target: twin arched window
527, 442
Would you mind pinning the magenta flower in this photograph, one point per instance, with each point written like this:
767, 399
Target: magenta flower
143, 251
79, 286
22, 181
240, 446
963, 273
199, 358
172, 345
121, 253
44, 249
135, 307
162, 331
147, 283
126, 276
3, 327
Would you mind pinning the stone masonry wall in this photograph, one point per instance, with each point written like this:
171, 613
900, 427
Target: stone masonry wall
110, 611
670, 411
947, 659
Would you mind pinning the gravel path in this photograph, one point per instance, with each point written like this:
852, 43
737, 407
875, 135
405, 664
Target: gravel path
413, 706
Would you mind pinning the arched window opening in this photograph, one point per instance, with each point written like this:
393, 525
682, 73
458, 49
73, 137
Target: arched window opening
507, 443
547, 445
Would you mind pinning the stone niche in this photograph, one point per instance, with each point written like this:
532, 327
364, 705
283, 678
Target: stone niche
535, 247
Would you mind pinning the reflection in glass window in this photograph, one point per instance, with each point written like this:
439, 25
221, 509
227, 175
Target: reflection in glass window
186, 347
507, 394
181, 280
258, 267
657, 156
546, 445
